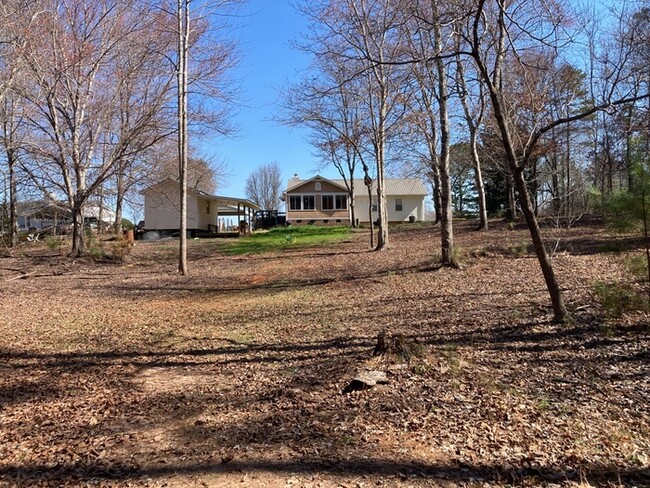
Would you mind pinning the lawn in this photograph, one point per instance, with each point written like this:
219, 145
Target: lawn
131, 375
282, 238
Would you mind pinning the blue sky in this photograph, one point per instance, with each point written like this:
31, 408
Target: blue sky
268, 63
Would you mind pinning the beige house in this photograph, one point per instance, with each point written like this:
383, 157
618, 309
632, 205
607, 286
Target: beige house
162, 209
319, 200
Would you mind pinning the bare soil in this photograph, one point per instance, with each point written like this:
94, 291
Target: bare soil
130, 375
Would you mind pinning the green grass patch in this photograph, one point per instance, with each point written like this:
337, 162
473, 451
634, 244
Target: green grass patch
282, 238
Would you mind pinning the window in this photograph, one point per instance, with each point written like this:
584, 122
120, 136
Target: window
334, 202
295, 202
341, 202
317, 186
398, 205
374, 205
308, 202
327, 202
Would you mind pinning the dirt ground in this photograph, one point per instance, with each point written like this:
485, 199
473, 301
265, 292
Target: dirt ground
130, 375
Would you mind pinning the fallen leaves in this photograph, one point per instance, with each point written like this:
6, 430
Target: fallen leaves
131, 375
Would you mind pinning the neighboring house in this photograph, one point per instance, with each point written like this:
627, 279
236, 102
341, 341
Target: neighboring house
162, 209
319, 200
36, 215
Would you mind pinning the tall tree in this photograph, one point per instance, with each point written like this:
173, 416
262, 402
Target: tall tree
73, 97
497, 31
183, 17
332, 107
364, 34
264, 186
16, 20
474, 107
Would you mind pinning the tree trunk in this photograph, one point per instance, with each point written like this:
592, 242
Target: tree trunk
560, 313
437, 196
446, 218
382, 231
511, 211
480, 187
446, 214
13, 200
353, 210
372, 223
78, 244
183, 40
119, 200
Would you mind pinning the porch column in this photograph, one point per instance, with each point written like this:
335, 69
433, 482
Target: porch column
239, 218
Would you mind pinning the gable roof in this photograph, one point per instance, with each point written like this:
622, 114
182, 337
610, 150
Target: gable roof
394, 186
296, 182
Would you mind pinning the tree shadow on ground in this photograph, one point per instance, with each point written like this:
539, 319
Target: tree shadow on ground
286, 396
476, 474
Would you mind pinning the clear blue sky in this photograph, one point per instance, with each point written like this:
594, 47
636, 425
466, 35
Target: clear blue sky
268, 64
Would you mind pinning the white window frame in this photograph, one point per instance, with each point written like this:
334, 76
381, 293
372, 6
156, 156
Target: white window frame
313, 197
399, 205
337, 201
299, 197
322, 202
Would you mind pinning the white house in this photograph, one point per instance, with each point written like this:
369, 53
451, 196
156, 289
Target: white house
319, 200
162, 209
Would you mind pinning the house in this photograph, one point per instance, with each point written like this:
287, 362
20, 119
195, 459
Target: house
204, 211
37, 215
319, 200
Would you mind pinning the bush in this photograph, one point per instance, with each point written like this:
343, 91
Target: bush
54, 243
617, 299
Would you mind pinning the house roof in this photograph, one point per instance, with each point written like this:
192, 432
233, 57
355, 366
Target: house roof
227, 204
295, 182
393, 186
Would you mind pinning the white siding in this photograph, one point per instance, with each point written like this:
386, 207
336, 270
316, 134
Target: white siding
411, 205
161, 207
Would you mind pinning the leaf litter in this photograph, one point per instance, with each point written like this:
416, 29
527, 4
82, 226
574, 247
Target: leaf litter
236, 376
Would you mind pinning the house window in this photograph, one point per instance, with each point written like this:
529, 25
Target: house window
341, 202
398, 205
317, 186
295, 202
334, 202
328, 202
374, 206
308, 202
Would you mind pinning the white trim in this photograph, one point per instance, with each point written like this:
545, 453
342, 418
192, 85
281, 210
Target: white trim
334, 195
302, 202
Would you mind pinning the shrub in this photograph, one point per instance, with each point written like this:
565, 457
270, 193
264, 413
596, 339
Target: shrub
617, 299
54, 243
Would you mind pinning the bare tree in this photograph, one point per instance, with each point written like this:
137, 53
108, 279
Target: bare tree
498, 31
363, 35
13, 17
330, 105
73, 97
264, 186
183, 17
474, 105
